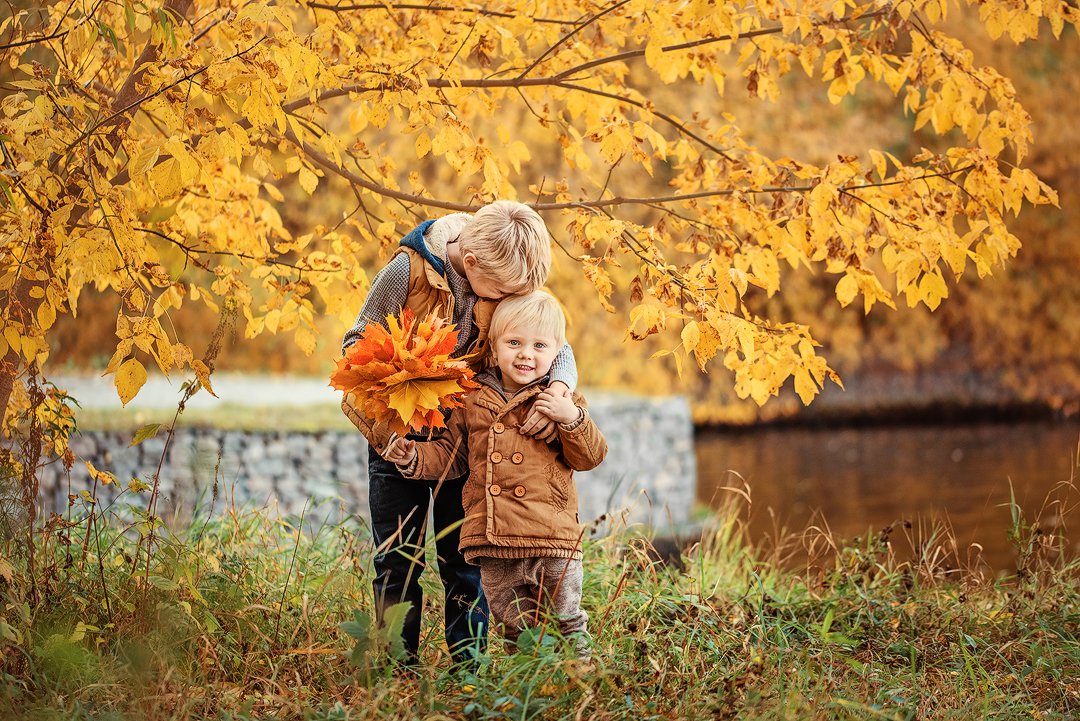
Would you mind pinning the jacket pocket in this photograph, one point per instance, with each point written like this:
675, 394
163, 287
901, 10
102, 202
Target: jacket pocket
472, 494
559, 483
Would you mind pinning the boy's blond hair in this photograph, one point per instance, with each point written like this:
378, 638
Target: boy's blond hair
511, 244
538, 311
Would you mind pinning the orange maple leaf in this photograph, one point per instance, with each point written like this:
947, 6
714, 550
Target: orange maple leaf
403, 374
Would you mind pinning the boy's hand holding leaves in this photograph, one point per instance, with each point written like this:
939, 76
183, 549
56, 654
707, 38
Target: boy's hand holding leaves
400, 451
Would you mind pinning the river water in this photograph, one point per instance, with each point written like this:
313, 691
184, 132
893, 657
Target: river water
858, 481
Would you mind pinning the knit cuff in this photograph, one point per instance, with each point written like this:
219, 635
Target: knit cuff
582, 413
409, 469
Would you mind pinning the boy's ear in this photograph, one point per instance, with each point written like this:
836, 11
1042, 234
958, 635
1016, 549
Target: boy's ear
468, 259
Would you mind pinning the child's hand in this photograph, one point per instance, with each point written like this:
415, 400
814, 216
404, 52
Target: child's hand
558, 405
539, 425
400, 451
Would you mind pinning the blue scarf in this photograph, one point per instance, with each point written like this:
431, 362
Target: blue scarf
415, 240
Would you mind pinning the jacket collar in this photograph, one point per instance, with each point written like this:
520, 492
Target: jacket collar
497, 401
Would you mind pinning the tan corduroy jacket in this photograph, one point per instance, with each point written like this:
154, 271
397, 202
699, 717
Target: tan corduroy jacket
428, 291
520, 499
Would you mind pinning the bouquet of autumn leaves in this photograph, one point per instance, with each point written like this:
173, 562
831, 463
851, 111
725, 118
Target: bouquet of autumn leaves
403, 375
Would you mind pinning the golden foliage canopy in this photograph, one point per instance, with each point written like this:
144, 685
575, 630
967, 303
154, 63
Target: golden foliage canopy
148, 149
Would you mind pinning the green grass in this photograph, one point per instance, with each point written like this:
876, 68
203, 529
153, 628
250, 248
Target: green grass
239, 617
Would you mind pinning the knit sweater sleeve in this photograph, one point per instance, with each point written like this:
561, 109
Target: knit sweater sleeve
387, 296
564, 368
583, 445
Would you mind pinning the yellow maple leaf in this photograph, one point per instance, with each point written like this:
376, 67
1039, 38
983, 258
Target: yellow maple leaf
420, 396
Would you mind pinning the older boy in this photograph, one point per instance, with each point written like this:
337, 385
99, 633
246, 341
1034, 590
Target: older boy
459, 265
521, 513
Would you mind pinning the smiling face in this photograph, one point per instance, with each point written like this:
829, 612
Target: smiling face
523, 355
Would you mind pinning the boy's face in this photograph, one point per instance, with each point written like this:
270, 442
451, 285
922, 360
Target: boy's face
523, 355
483, 284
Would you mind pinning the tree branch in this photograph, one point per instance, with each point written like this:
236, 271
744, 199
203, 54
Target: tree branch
879, 211
663, 116
523, 82
45, 38
632, 54
193, 255
607, 203
355, 179
34, 41
431, 8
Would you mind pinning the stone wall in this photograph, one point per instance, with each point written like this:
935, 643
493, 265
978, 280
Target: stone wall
649, 475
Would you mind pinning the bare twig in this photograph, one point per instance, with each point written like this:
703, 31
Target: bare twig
565, 38
292, 566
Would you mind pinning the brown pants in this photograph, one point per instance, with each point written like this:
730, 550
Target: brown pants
525, 592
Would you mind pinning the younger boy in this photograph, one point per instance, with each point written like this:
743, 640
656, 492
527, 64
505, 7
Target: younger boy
521, 510
458, 265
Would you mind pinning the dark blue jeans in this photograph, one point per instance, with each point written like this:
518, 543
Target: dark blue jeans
399, 509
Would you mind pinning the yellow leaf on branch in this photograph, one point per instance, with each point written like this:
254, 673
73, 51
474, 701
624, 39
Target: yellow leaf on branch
847, 289
805, 386
309, 181
105, 478
130, 378
202, 372
691, 336
423, 144
646, 319
932, 289
707, 345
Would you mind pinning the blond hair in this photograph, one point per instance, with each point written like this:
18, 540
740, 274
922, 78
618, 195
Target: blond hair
511, 245
538, 311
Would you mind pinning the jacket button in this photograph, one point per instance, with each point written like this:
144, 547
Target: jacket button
496, 489
498, 427
519, 491
517, 458
496, 457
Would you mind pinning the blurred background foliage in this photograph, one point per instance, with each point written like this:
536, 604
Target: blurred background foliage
1009, 341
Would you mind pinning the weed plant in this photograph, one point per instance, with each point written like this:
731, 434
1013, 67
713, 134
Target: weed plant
244, 615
